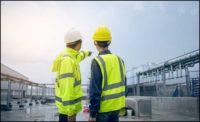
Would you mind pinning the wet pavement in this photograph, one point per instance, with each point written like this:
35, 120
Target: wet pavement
48, 112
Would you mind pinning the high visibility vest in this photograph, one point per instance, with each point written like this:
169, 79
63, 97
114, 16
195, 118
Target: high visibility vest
113, 82
68, 91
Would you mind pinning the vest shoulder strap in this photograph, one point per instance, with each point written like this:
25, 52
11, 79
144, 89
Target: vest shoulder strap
121, 66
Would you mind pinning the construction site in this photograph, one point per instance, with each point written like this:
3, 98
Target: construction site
152, 98
100, 60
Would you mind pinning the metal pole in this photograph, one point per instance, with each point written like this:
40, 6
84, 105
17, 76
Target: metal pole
138, 84
26, 93
37, 91
169, 75
157, 73
53, 91
30, 104
45, 90
31, 91
21, 91
42, 90
180, 70
135, 91
187, 76
179, 89
9, 94
177, 73
50, 91
172, 72
164, 82
152, 77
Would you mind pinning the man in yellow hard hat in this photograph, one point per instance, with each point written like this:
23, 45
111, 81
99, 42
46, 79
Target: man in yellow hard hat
68, 91
108, 81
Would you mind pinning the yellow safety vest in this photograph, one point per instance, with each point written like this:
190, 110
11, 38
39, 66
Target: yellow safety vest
68, 91
113, 82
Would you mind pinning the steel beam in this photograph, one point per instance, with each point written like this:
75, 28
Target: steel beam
9, 94
138, 85
187, 77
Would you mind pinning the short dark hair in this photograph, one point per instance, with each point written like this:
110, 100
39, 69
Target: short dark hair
103, 44
73, 44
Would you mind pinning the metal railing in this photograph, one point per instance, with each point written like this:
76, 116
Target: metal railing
167, 70
17, 88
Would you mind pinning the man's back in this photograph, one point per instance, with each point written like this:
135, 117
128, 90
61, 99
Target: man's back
113, 81
107, 84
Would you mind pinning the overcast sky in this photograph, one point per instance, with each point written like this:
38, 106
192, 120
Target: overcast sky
32, 33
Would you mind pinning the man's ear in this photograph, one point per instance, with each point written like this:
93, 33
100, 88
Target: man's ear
95, 43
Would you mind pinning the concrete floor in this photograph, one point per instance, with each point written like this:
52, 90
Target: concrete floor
48, 112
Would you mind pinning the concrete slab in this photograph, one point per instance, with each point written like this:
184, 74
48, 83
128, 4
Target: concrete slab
48, 112
140, 106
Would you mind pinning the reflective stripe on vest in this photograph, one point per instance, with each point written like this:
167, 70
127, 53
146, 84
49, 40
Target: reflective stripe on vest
76, 83
115, 85
112, 86
58, 99
66, 75
69, 102
104, 70
112, 96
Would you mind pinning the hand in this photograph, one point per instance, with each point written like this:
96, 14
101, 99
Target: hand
92, 119
90, 53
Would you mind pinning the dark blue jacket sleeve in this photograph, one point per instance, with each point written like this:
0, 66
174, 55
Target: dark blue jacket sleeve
95, 89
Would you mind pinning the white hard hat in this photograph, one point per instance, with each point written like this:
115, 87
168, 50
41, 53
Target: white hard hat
72, 35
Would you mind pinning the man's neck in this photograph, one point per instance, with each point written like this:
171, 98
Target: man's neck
102, 49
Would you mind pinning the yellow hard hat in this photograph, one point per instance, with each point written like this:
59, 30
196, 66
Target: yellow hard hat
102, 33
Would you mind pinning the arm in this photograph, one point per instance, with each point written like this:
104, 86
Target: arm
95, 89
82, 55
56, 63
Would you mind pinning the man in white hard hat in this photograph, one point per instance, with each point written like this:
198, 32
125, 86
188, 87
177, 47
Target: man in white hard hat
68, 91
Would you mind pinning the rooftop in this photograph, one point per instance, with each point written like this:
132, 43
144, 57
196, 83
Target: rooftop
48, 112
